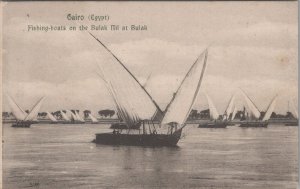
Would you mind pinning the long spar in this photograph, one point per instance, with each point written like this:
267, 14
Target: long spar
128, 72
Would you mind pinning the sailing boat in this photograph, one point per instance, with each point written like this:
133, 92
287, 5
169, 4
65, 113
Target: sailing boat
23, 119
65, 118
295, 114
143, 109
257, 121
215, 121
51, 117
75, 118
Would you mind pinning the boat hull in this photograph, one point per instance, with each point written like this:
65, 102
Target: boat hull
213, 125
138, 139
292, 124
254, 124
22, 124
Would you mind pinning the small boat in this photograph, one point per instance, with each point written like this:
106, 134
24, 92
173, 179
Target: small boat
216, 122
254, 123
52, 118
257, 121
295, 123
24, 120
135, 105
75, 118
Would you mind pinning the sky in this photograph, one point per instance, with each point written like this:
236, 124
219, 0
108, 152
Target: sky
251, 45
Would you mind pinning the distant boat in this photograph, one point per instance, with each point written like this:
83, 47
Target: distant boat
257, 121
215, 121
75, 118
65, 118
295, 114
134, 104
51, 117
23, 119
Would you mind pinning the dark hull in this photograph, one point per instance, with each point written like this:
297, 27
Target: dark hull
291, 124
254, 124
22, 124
213, 125
138, 139
123, 126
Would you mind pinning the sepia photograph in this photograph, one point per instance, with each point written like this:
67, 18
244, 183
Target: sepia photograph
170, 94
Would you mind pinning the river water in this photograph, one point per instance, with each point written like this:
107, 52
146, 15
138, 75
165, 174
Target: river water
62, 156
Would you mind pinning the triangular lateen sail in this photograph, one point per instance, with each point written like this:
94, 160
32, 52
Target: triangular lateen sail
181, 104
17, 111
35, 110
73, 116
131, 95
270, 109
51, 117
212, 109
79, 118
254, 110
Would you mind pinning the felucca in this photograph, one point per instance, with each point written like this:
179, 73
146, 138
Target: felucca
23, 119
51, 117
136, 106
255, 119
215, 120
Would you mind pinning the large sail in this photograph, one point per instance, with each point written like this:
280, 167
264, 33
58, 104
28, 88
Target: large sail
34, 111
254, 110
270, 109
51, 117
233, 113
18, 112
212, 109
64, 116
131, 95
181, 104
93, 118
